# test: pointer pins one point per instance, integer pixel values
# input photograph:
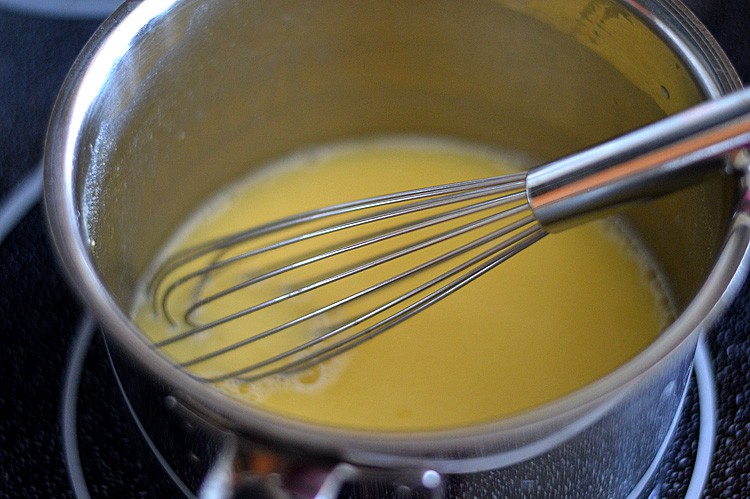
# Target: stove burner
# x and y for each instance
(704, 381)
(68, 419)
(80, 348)
(20, 200)
(707, 403)
(80, 9)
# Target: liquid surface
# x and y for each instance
(561, 314)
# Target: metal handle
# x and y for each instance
(654, 160)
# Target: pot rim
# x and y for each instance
(451, 450)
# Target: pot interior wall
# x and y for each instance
(219, 88)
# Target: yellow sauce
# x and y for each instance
(559, 315)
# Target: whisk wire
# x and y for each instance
(501, 253)
(401, 230)
(179, 259)
(353, 341)
(357, 269)
(380, 216)
(505, 194)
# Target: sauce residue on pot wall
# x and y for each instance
(565, 312)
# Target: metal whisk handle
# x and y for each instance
(653, 160)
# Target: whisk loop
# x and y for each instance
(458, 209)
(308, 287)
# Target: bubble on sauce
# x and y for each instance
(624, 236)
(309, 381)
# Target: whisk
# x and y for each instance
(444, 236)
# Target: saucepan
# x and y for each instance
(172, 100)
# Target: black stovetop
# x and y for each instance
(47, 450)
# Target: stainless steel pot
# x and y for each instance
(174, 99)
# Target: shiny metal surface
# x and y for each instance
(655, 160)
(167, 90)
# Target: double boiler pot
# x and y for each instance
(173, 100)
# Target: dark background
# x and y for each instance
(38, 315)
